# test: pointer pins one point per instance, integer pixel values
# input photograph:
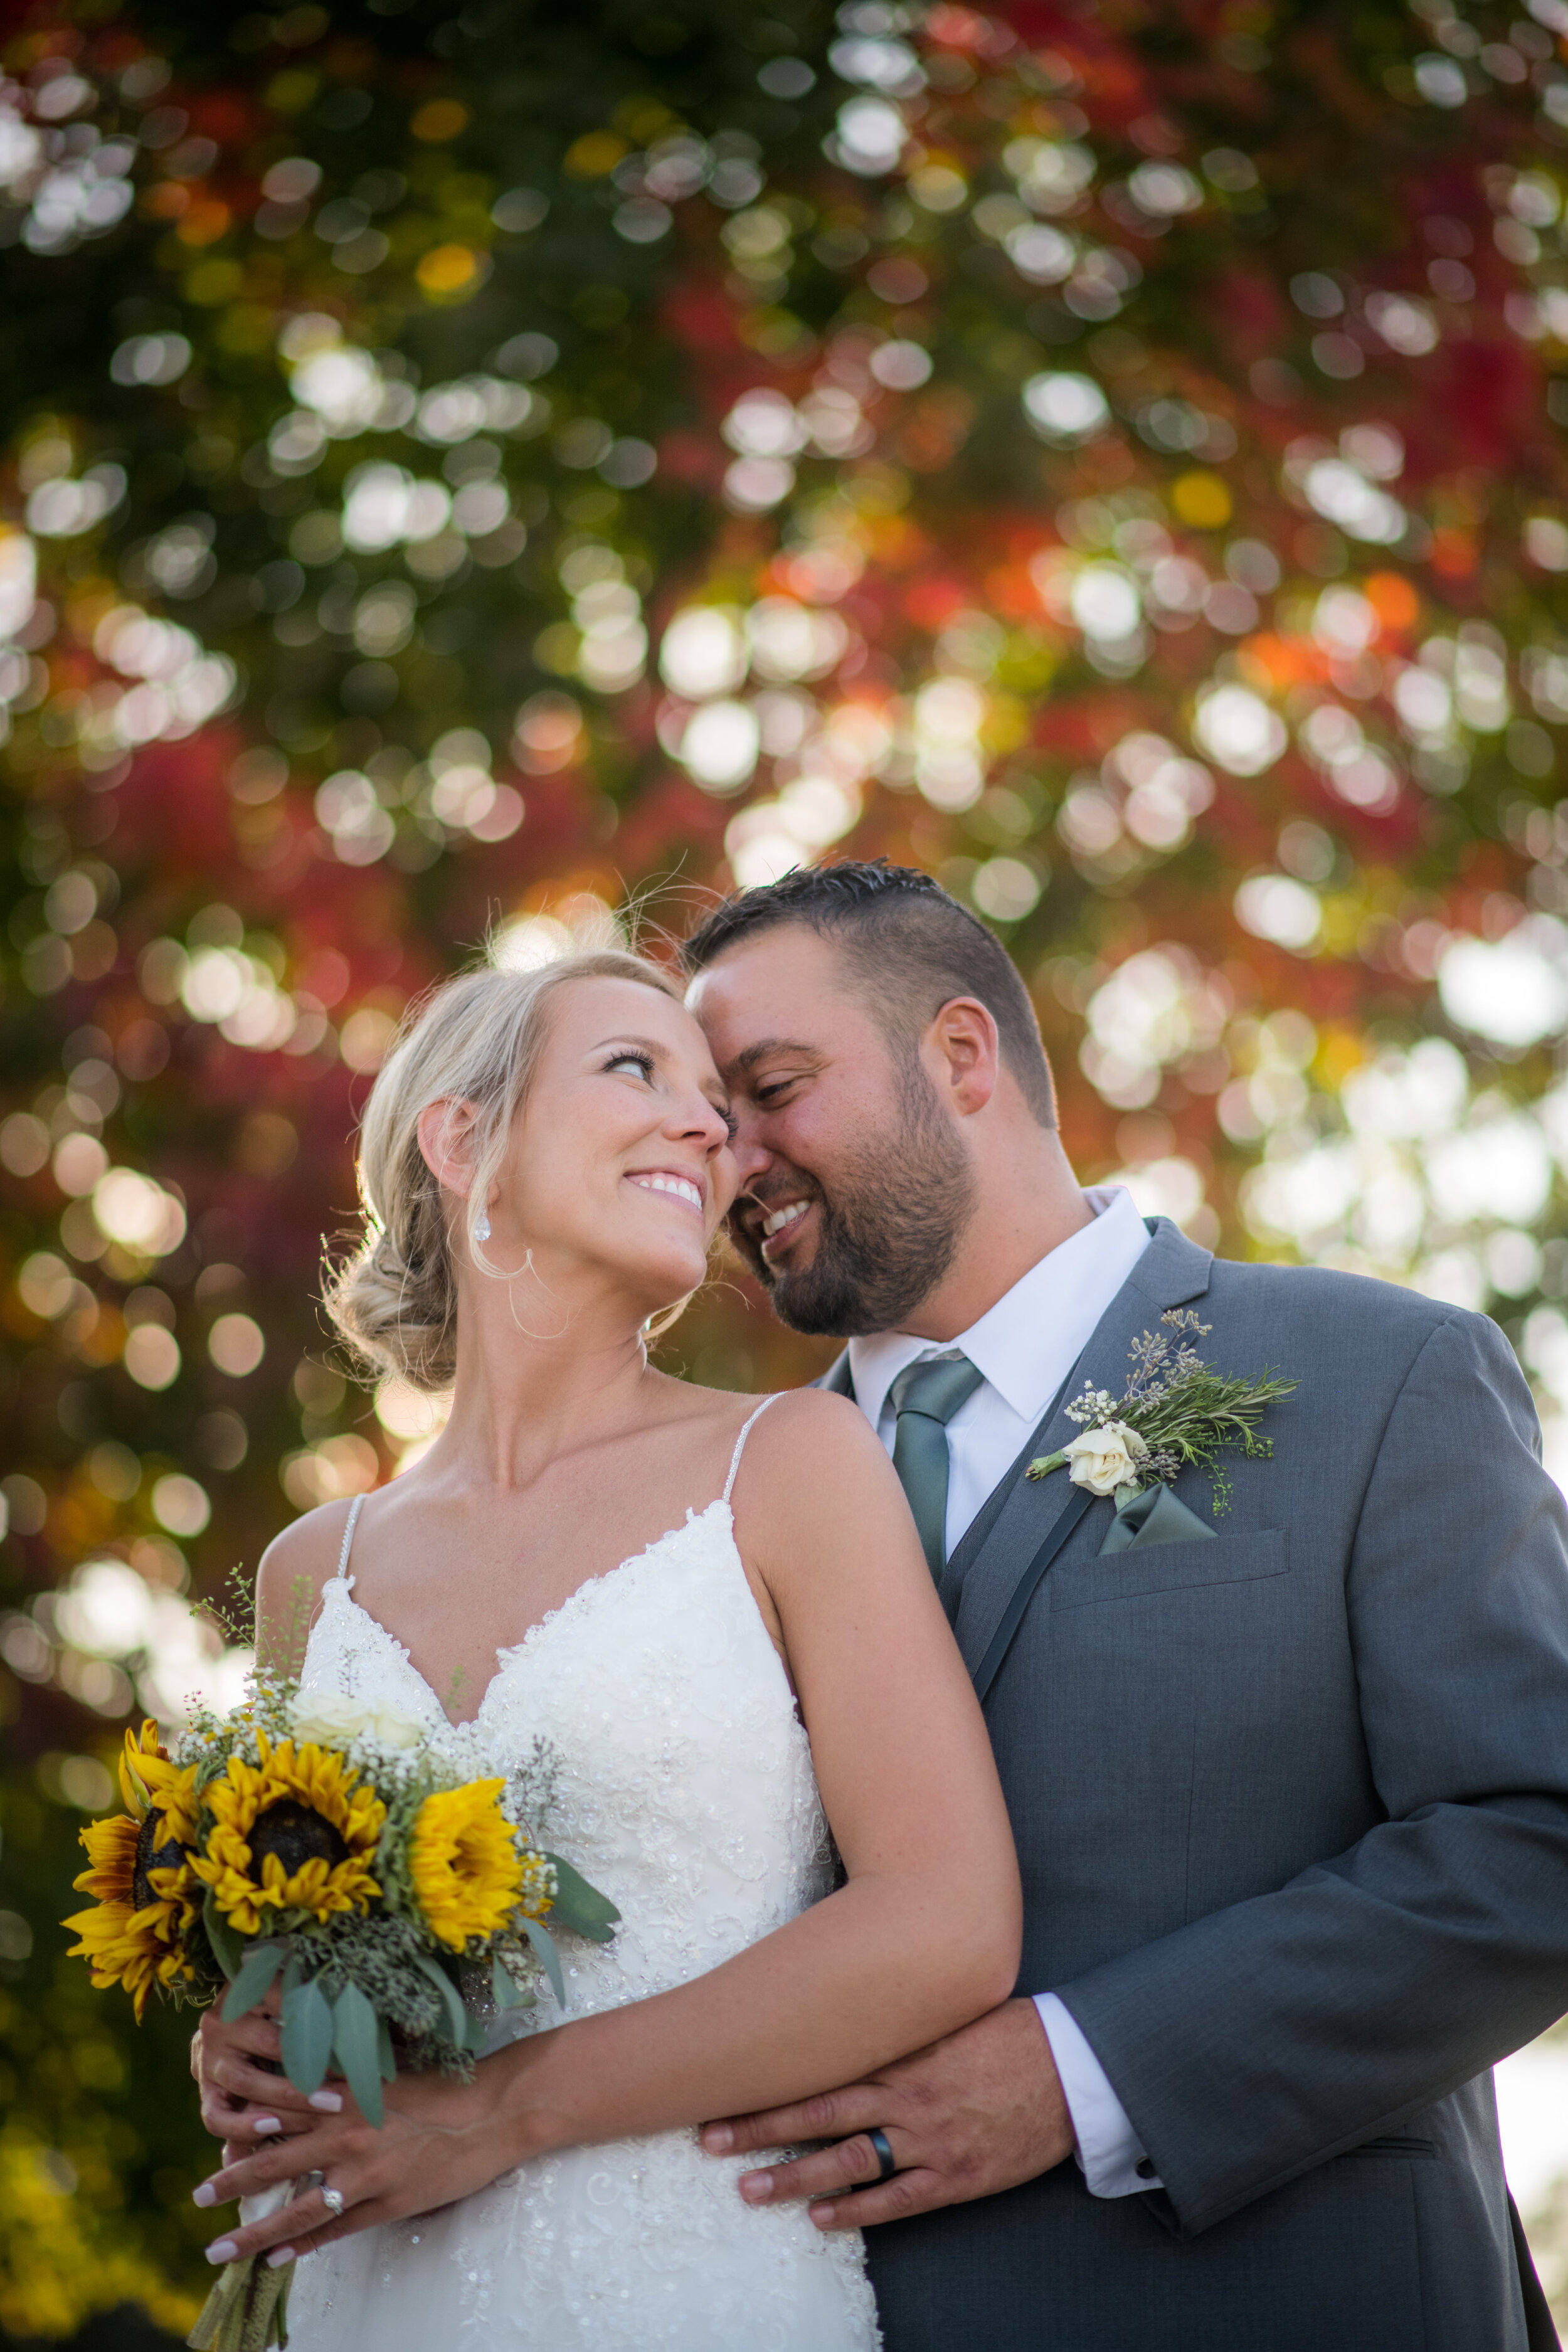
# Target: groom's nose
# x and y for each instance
(751, 1152)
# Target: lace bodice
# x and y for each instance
(684, 1791)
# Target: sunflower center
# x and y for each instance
(155, 1849)
(296, 1835)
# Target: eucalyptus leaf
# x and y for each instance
(307, 2036)
(508, 1993)
(226, 1950)
(457, 2015)
(354, 2047)
(580, 1906)
(254, 1982)
(475, 2033)
(543, 1944)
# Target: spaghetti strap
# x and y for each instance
(746, 1428)
(354, 1509)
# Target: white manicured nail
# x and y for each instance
(326, 2103)
(265, 2124)
(206, 2195)
(223, 2250)
(279, 2256)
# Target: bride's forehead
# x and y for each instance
(601, 1005)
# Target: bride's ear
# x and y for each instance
(445, 1143)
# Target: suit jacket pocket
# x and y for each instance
(1169, 1567)
(1392, 2143)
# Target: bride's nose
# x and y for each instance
(698, 1122)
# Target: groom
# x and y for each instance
(1289, 1785)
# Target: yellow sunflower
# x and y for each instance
(142, 1875)
(464, 1862)
(296, 1832)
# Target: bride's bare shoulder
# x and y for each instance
(298, 1561)
(819, 1426)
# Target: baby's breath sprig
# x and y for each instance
(1174, 1409)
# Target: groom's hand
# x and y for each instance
(973, 2114)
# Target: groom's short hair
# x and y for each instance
(913, 947)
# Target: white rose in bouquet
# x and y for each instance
(331, 1719)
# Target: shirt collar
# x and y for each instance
(1026, 1344)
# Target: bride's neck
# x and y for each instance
(540, 1363)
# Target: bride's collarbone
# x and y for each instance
(453, 1597)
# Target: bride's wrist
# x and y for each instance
(527, 2119)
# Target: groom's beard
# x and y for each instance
(886, 1232)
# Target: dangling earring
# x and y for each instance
(482, 1227)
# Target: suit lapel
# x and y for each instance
(1170, 1271)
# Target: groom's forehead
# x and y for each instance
(787, 986)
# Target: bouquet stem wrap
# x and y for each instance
(247, 2310)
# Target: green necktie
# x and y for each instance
(925, 1397)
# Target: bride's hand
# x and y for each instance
(441, 2140)
(243, 2098)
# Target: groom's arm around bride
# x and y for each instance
(1291, 1792)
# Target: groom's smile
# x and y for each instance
(776, 1226)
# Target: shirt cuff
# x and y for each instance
(1111, 2155)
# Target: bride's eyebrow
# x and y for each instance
(630, 1037)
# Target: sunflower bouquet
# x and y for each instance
(342, 1855)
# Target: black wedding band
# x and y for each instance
(887, 2163)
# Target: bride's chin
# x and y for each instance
(653, 1289)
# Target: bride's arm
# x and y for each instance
(924, 1936)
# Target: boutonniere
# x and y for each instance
(1176, 1409)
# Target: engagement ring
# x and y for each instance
(333, 2199)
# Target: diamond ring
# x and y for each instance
(333, 2199)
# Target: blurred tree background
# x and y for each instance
(465, 474)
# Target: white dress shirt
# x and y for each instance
(1025, 1347)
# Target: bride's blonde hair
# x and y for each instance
(474, 1040)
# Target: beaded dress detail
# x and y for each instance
(685, 1792)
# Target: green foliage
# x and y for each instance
(307, 2034)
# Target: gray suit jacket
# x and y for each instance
(1292, 1809)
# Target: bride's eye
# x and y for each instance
(641, 1063)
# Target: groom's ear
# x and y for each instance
(963, 1051)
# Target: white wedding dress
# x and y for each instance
(685, 1794)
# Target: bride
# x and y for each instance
(717, 1613)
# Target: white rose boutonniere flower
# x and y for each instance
(1105, 1458)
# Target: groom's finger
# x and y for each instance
(845, 2164)
(832, 2115)
(915, 2192)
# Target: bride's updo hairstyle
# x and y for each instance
(474, 1040)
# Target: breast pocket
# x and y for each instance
(1171, 1568)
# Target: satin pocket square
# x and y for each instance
(1153, 1516)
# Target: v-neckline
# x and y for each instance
(508, 1656)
